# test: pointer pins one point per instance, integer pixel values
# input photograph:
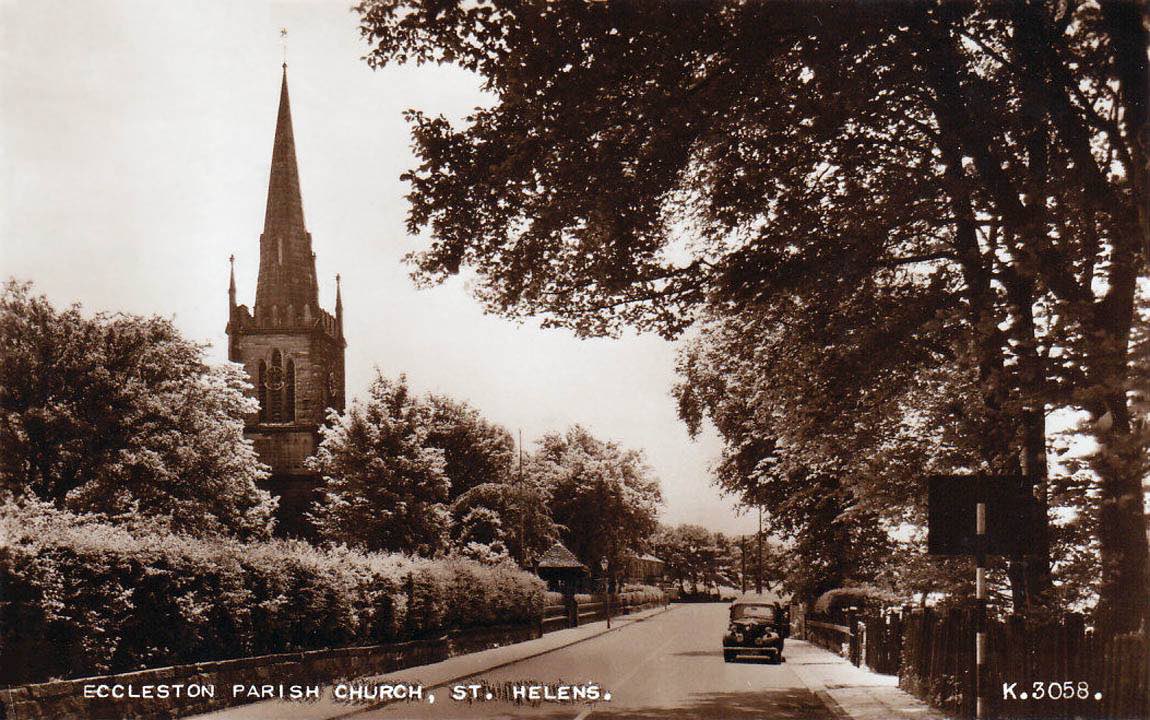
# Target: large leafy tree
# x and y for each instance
(475, 450)
(689, 551)
(508, 519)
(829, 427)
(644, 161)
(385, 487)
(603, 497)
(119, 414)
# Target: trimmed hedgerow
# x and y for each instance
(79, 596)
(641, 595)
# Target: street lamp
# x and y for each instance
(603, 565)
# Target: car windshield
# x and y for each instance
(764, 612)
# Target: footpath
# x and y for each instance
(431, 677)
(853, 692)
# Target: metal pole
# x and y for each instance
(980, 612)
(607, 585)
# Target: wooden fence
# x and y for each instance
(559, 616)
(1051, 670)
(1079, 674)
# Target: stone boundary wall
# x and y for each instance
(65, 698)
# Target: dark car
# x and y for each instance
(758, 628)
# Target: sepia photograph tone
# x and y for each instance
(568, 359)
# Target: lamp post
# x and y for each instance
(603, 565)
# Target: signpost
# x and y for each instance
(1005, 520)
(603, 564)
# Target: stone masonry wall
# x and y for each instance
(65, 698)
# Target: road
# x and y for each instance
(669, 666)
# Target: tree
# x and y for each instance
(602, 497)
(688, 551)
(384, 487)
(510, 519)
(829, 428)
(475, 450)
(644, 162)
(119, 414)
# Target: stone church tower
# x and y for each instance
(292, 349)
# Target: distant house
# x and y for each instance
(561, 570)
(645, 569)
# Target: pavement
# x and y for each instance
(853, 692)
(656, 664)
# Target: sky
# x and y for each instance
(135, 142)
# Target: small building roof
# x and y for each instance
(558, 556)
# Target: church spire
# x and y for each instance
(284, 208)
(287, 288)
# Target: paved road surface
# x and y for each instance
(670, 666)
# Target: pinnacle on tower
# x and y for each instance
(232, 282)
(338, 306)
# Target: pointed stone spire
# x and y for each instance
(285, 207)
(287, 282)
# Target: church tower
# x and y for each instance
(291, 348)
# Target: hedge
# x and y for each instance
(631, 595)
(641, 595)
(80, 597)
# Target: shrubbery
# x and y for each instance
(82, 597)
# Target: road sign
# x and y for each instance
(1012, 514)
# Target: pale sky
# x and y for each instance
(135, 139)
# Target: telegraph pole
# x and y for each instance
(759, 560)
(522, 505)
(743, 555)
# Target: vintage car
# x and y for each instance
(758, 627)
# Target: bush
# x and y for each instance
(82, 597)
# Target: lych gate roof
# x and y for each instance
(558, 556)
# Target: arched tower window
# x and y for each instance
(289, 392)
(262, 390)
(275, 388)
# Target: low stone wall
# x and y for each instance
(66, 698)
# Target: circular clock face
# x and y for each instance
(274, 379)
